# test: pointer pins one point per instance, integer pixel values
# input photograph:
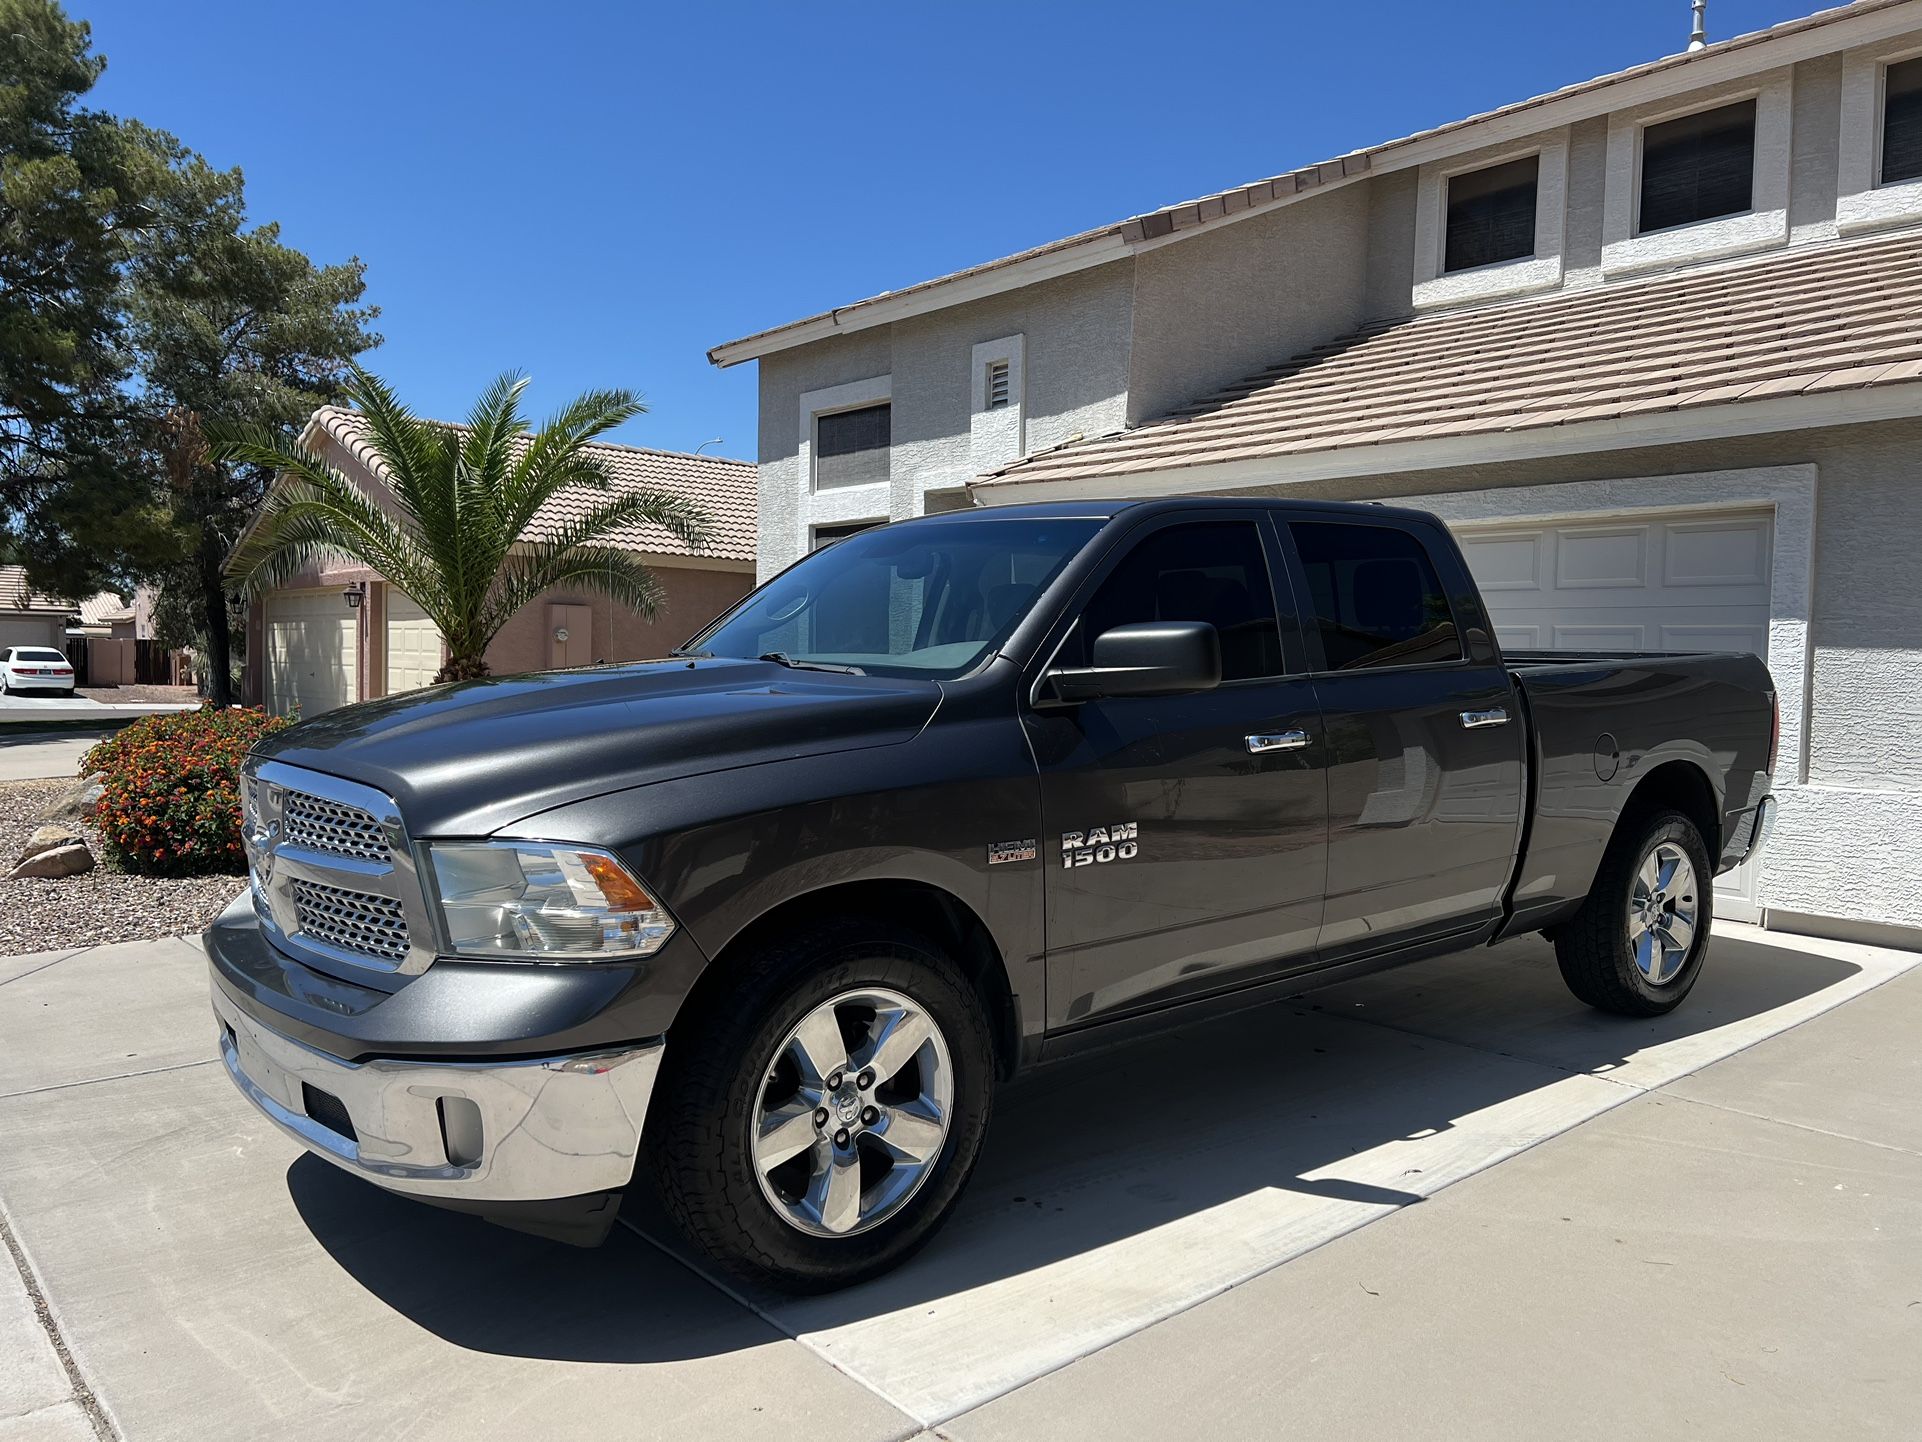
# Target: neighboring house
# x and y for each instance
(340, 633)
(104, 617)
(1651, 343)
(29, 617)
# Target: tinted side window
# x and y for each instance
(1375, 597)
(1211, 571)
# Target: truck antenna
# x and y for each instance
(1698, 37)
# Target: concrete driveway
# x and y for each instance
(1446, 1201)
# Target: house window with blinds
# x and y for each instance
(1491, 215)
(1697, 167)
(851, 447)
(1902, 121)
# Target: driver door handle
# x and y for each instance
(1474, 720)
(1278, 741)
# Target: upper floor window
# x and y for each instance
(828, 535)
(1491, 215)
(1377, 600)
(1697, 167)
(851, 447)
(1902, 121)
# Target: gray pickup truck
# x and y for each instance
(768, 921)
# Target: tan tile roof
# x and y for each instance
(1188, 214)
(1833, 317)
(104, 609)
(723, 488)
(17, 595)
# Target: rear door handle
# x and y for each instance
(1495, 716)
(1278, 741)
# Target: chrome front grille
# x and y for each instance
(357, 921)
(331, 826)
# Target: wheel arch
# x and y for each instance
(920, 906)
(1683, 786)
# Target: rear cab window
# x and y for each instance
(1374, 597)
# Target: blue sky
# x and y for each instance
(596, 193)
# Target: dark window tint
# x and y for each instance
(1375, 597)
(828, 535)
(1491, 214)
(851, 447)
(1902, 121)
(1214, 572)
(1699, 166)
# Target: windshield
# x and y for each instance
(927, 599)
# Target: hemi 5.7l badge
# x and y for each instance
(1000, 851)
(1100, 844)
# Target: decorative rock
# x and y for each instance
(50, 837)
(76, 803)
(69, 860)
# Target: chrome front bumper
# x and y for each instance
(514, 1131)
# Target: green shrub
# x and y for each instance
(170, 801)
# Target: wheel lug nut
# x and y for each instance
(821, 1117)
(834, 1082)
(866, 1080)
(869, 1116)
(841, 1137)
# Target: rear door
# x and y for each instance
(1184, 836)
(1423, 726)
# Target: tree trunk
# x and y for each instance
(213, 601)
(462, 668)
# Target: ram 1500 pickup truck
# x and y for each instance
(769, 920)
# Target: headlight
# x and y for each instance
(542, 902)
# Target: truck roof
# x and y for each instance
(1108, 510)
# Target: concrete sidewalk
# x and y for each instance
(1441, 1202)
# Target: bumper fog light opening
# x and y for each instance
(460, 1131)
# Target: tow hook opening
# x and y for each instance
(460, 1131)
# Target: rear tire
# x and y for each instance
(1636, 946)
(745, 1164)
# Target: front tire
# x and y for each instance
(815, 1126)
(1636, 946)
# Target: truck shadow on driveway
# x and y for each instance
(1104, 1149)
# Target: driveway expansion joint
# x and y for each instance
(83, 1395)
(116, 1076)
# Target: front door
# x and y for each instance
(1425, 735)
(1183, 856)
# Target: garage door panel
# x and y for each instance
(1583, 637)
(1753, 639)
(1601, 557)
(1506, 562)
(1519, 638)
(1718, 553)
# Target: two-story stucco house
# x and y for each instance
(1652, 343)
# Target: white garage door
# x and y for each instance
(312, 652)
(1693, 582)
(32, 631)
(413, 644)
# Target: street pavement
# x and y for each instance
(1443, 1201)
(32, 710)
(28, 755)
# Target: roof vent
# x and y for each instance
(997, 385)
(1698, 37)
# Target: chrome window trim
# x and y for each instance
(397, 877)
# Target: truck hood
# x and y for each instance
(469, 758)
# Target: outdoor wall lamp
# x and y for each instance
(353, 594)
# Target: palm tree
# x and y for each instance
(453, 537)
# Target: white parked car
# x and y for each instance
(35, 668)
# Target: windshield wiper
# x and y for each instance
(781, 658)
(692, 655)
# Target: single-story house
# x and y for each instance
(340, 633)
(29, 617)
(1651, 343)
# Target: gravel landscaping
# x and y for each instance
(99, 906)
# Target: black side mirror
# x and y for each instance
(1149, 658)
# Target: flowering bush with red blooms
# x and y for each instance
(170, 802)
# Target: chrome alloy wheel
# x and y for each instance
(1662, 909)
(853, 1112)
